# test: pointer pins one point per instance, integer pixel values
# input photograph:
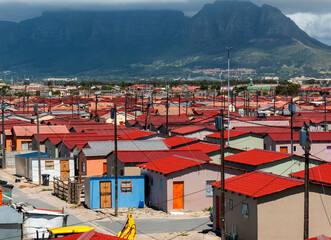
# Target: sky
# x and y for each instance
(312, 16)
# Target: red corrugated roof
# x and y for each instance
(171, 164)
(205, 147)
(176, 141)
(136, 135)
(258, 183)
(320, 173)
(286, 136)
(187, 129)
(233, 133)
(256, 157)
(148, 156)
(23, 131)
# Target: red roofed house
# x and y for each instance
(177, 141)
(238, 139)
(268, 161)
(197, 132)
(22, 135)
(319, 174)
(262, 205)
(281, 142)
(129, 159)
(211, 149)
(181, 183)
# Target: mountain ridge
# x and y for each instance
(79, 42)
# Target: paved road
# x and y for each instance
(148, 226)
(20, 196)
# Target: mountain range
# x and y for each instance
(145, 43)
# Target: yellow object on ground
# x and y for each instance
(68, 230)
(129, 229)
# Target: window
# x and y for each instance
(209, 188)
(244, 209)
(283, 149)
(231, 204)
(328, 149)
(294, 148)
(126, 186)
(49, 164)
(83, 167)
(161, 183)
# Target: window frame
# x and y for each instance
(243, 212)
(209, 188)
(126, 186)
(49, 164)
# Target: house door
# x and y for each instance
(178, 195)
(105, 194)
(283, 149)
(65, 172)
(218, 213)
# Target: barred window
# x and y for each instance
(49, 164)
(126, 186)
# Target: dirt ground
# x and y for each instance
(81, 212)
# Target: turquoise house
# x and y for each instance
(100, 192)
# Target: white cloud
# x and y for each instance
(317, 26)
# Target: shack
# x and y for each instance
(100, 192)
(27, 166)
(11, 224)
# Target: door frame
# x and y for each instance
(173, 183)
(111, 205)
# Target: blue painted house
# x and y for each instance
(100, 191)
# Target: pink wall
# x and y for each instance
(194, 186)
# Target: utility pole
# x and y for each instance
(72, 106)
(147, 112)
(78, 108)
(96, 107)
(257, 103)
(167, 111)
(305, 143)
(38, 142)
(229, 49)
(325, 125)
(142, 103)
(292, 111)
(114, 116)
(125, 108)
(178, 104)
(186, 102)
(135, 108)
(275, 103)
(4, 163)
(219, 123)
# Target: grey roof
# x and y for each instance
(103, 148)
(11, 215)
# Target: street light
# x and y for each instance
(229, 49)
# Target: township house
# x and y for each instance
(211, 149)
(262, 205)
(93, 156)
(238, 139)
(22, 135)
(193, 131)
(178, 182)
(268, 161)
(281, 142)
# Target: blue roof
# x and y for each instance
(33, 154)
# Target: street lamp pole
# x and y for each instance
(229, 49)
